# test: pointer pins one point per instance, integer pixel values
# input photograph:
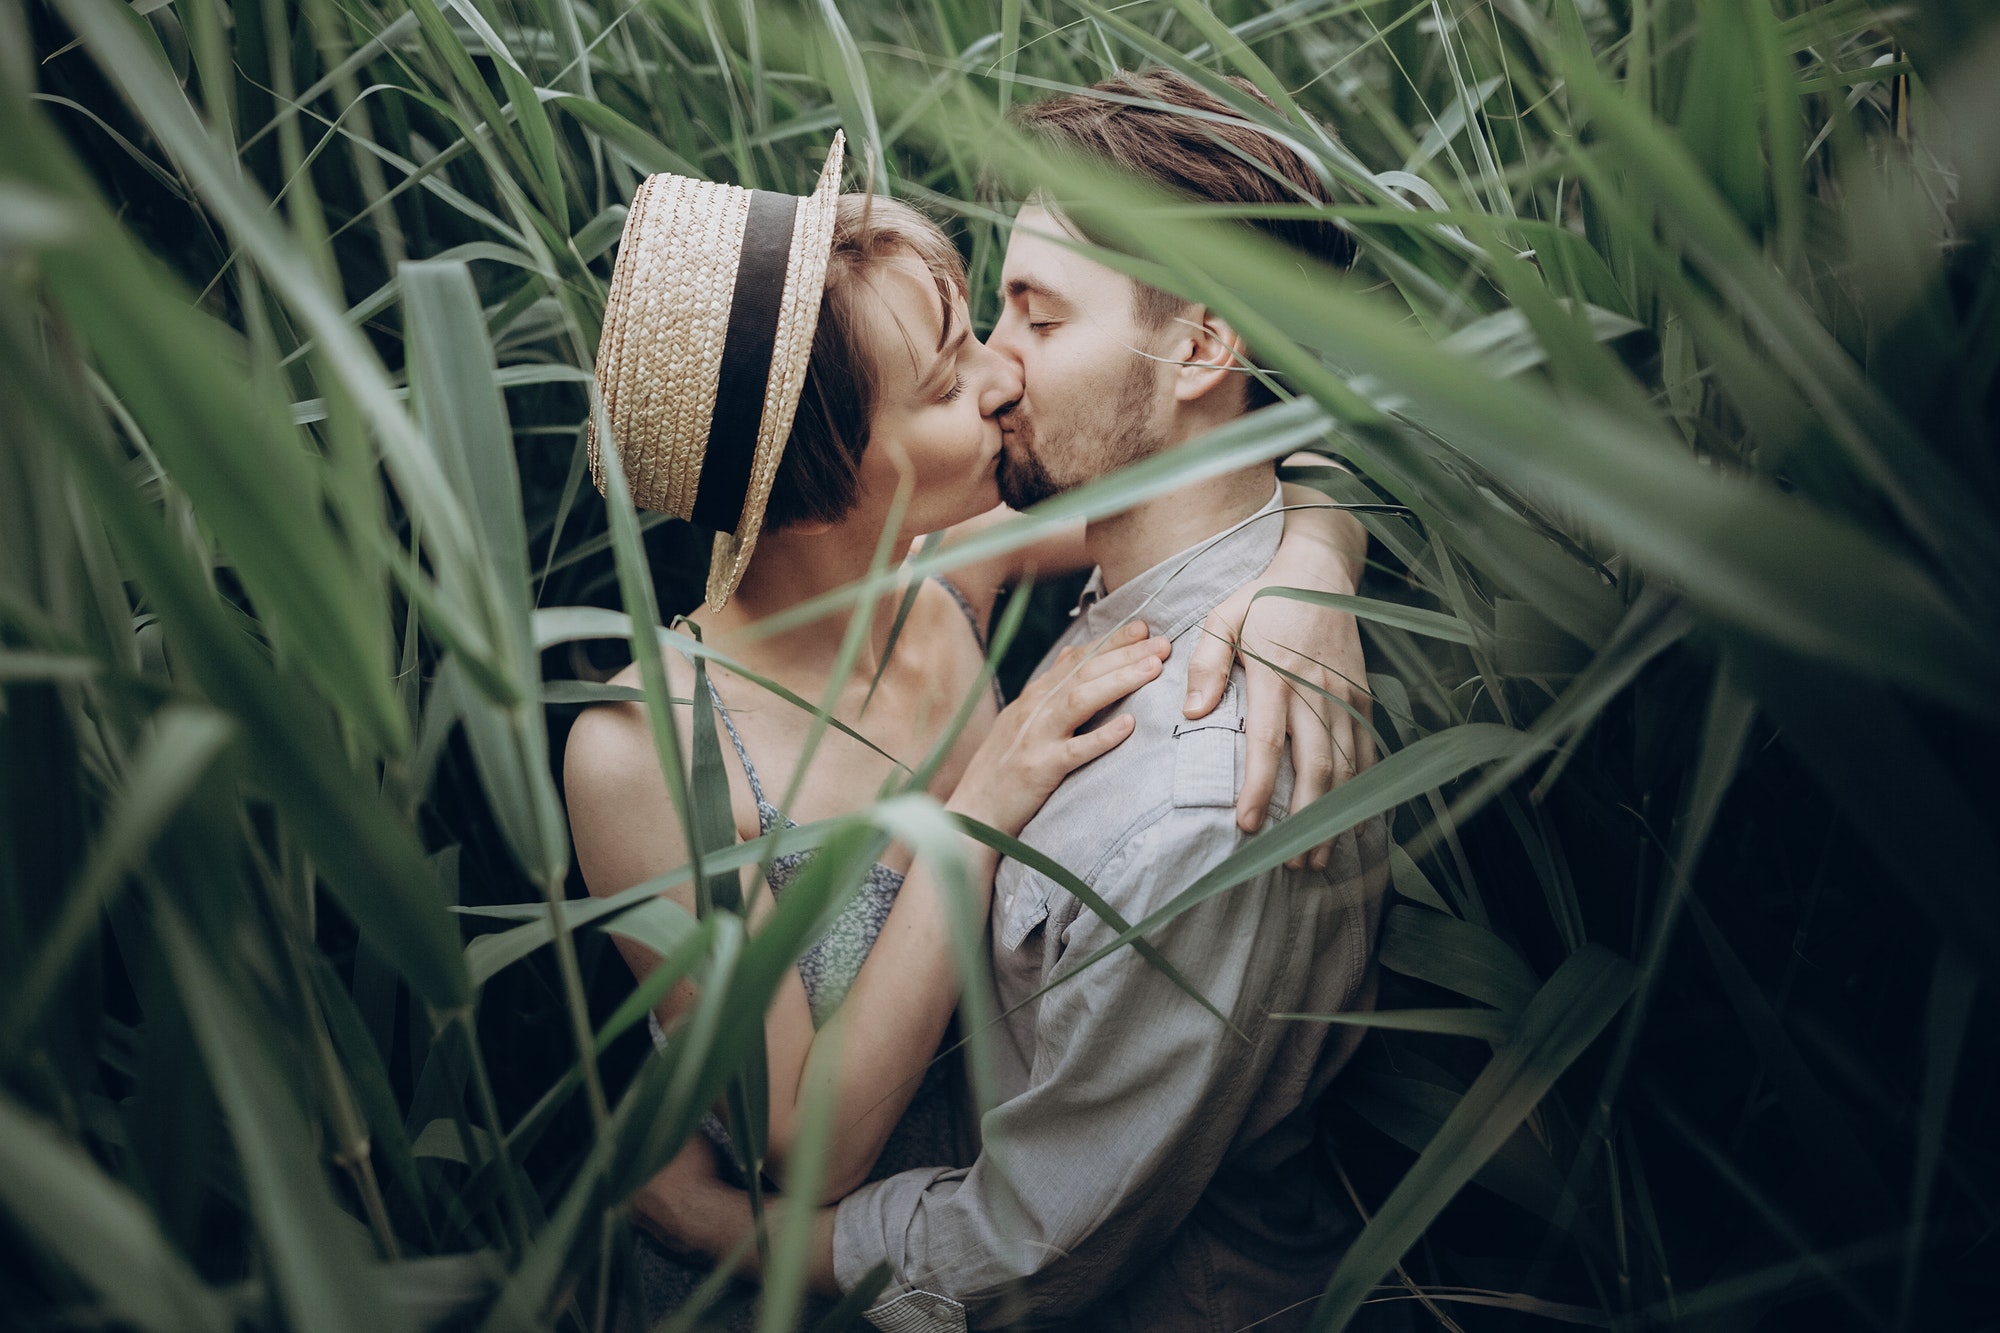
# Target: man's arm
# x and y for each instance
(1135, 1096)
(1324, 550)
(693, 1211)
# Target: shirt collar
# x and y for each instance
(1174, 595)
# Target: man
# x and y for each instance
(1148, 1166)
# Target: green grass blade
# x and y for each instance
(1486, 1024)
(781, 1302)
(1457, 955)
(312, 1262)
(1948, 1016)
(465, 422)
(184, 741)
(101, 1231)
(1411, 1108)
(370, 859)
(1563, 1018)
(1433, 624)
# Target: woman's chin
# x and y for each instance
(986, 491)
(980, 495)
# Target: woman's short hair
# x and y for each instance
(817, 476)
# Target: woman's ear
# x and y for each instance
(1213, 354)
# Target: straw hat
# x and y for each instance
(714, 300)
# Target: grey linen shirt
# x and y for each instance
(1145, 1167)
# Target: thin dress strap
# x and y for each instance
(971, 619)
(749, 769)
(764, 808)
(965, 605)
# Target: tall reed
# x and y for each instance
(1670, 363)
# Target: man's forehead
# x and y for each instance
(1046, 216)
(1041, 257)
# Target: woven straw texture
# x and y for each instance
(659, 360)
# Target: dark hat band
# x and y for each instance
(747, 347)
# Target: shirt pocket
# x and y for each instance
(1024, 906)
(1208, 755)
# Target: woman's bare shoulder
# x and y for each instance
(620, 813)
(611, 755)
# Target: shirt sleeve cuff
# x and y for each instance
(857, 1237)
(861, 1241)
(916, 1311)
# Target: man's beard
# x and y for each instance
(1022, 477)
(1126, 436)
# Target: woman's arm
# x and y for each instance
(869, 1058)
(1059, 552)
(622, 821)
(872, 1054)
(623, 824)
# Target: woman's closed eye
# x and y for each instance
(952, 394)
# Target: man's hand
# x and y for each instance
(687, 1207)
(1318, 645)
(693, 1212)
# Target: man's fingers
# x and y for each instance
(1364, 746)
(1340, 768)
(1264, 734)
(1315, 760)
(1346, 733)
(1208, 665)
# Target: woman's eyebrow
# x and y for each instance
(950, 339)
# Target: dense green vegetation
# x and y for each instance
(1675, 336)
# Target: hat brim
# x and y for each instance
(798, 319)
(659, 359)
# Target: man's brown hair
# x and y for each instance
(1208, 160)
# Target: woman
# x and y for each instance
(867, 332)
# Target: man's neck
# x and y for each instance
(1126, 545)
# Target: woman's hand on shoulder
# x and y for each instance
(1034, 743)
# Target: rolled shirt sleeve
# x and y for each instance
(1134, 1095)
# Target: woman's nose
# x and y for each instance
(1001, 381)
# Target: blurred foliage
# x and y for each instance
(1676, 332)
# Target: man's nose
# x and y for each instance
(1002, 387)
(1004, 337)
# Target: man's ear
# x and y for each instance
(1213, 354)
